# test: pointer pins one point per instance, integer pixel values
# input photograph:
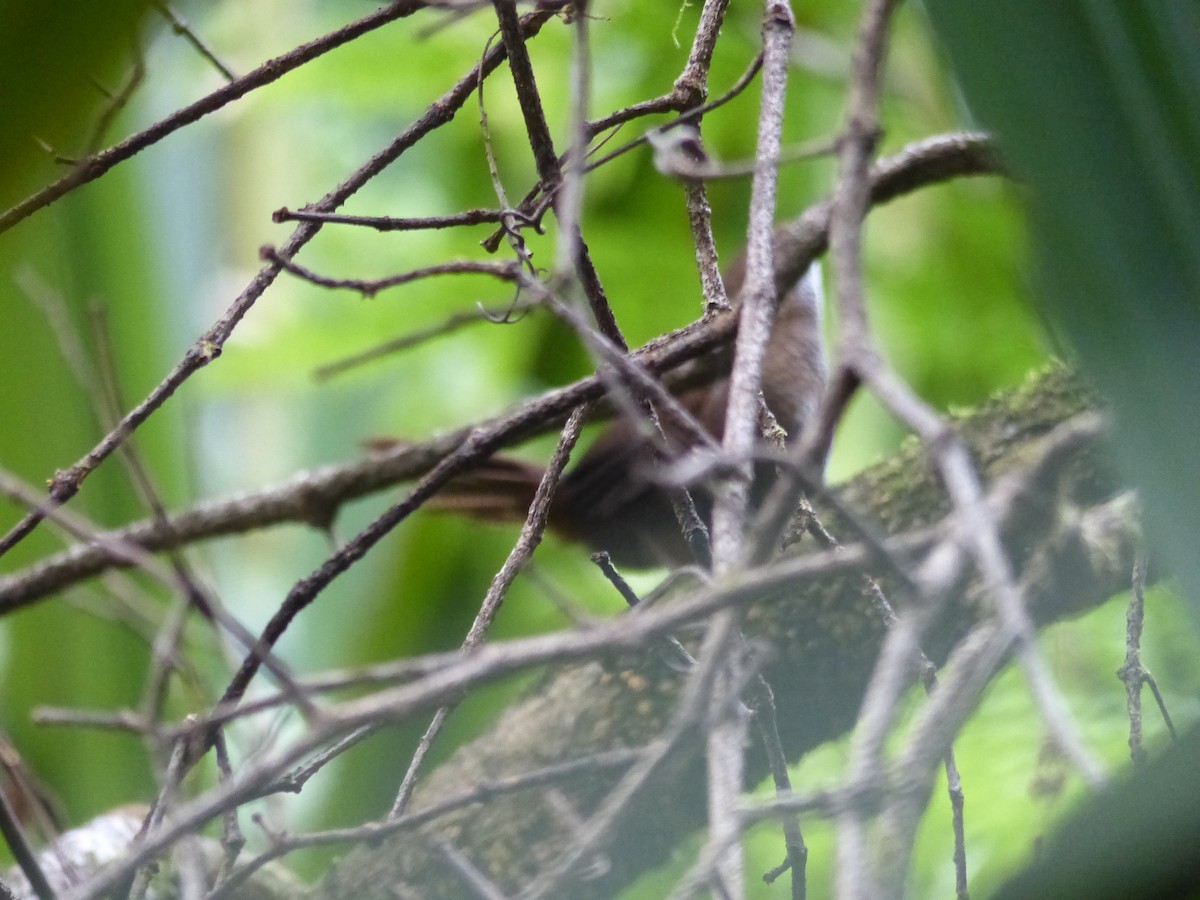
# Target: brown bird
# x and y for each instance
(610, 499)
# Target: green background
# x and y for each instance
(165, 242)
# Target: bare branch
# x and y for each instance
(94, 166)
(314, 497)
(66, 483)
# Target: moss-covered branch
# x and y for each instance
(1070, 534)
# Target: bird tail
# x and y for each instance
(499, 490)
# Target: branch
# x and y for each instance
(1071, 537)
(98, 164)
(315, 497)
(67, 482)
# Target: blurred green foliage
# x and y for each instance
(1094, 106)
(166, 241)
(1116, 212)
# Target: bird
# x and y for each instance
(613, 499)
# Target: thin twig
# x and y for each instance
(548, 167)
(18, 844)
(756, 302)
(856, 875)
(527, 542)
(507, 271)
(511, 313)
(481, 792)
(67, 482)
(666, 748)
(389, 223)
(181, 27)
(98, 164)
(314, 497)
(773, 583)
